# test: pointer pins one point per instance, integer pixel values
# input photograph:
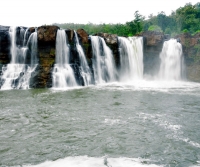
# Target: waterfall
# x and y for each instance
(17, 74)
(131, 58)
(84, 68)
(32, 41)
(25, 37)
(103, 63)
(171, 61)
(63, 75)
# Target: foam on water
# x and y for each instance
(147, 85)
(84, 161)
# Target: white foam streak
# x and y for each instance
(84, 161)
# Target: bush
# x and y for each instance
(198, 31)
(155, 28)
(167, 31)
(185, 31)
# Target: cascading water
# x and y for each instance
(131, 58)
(32, 43)
(63, 75)
(84, 68)
(25, 37)
(17, 74)
(171, 61)
(103, 63)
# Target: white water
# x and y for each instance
(17, 74)
(171, 61)
(84, 161)
(84, 68)
(103, 61)
(63, 74)
(131, 58)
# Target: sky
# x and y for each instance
(39, 12)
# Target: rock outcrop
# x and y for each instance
(42, 78)
(191, 52)
(4, 46)
(83, 35)
(153, 43)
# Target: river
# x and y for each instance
(147, 123)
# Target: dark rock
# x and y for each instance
(70, 34)
(5, 56)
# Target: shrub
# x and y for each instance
(155, 28)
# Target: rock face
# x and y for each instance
(191, 51)
(83, 35)
(153, 43)
(4, 46)
(42, 78)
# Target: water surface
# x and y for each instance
(141, 124)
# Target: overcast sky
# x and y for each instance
(40, 12)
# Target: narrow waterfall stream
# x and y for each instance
(63, 74)
(103, 62)
(84, 68)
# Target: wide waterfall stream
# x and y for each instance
(17, 74)
(123, 120)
